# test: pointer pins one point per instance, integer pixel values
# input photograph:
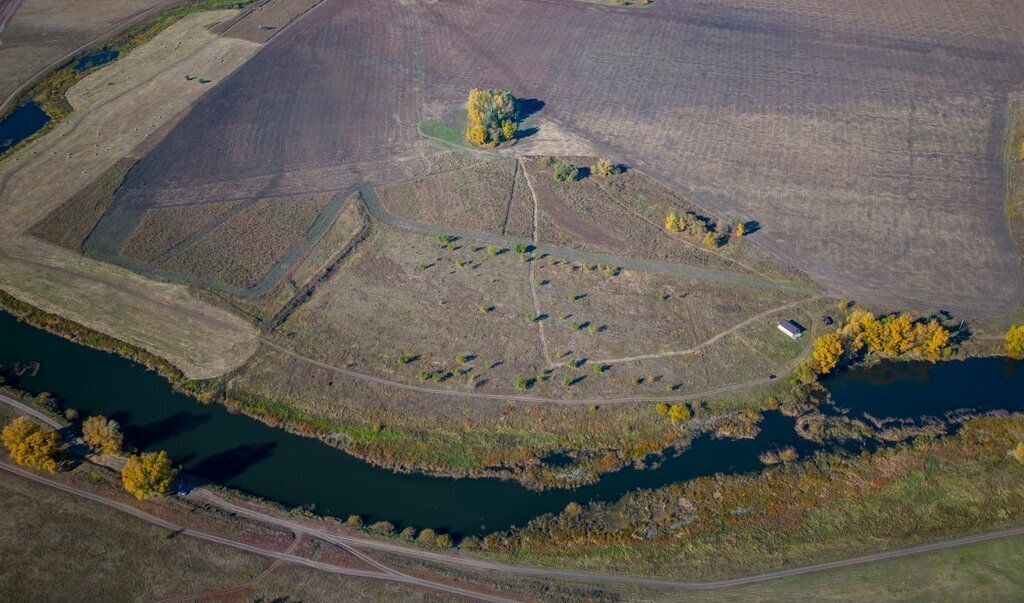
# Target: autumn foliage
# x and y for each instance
(828, 349)
(1015, 342)
(492, 116)
(103, 435)
(29, 444)
(148, 474)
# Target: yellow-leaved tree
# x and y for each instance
(29, 444)
(148, 474)
(828, 349)
(1015, 342)
(492, 116)
(672, 222)
(103, 435)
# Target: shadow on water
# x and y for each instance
(212, 443)
(224, 466)
(157, 432)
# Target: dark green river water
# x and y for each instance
(241, 453)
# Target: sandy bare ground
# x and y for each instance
(864, 136)
(116, 109)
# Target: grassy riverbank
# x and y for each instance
(830, 507)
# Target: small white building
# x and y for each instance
(791, 329)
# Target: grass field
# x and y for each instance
(826, 508)
(118, 108)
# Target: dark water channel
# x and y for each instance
(241, 453)
(23, 122)
(96, 58)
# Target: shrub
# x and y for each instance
(408, 533)
(1018, 453)
(29, 444)
(712, 240)
(102, 435)
(147, 475)
(603, 167)
(427, 536)
(566, 172)
(383, 528)
(354, 521)
(678, 413)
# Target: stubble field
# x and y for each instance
(868, 148)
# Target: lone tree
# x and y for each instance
(147, 475)
(103, 435)
(30, 445)
(492, 116)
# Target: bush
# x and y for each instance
(102, 435)
(678, 413)
(427, 536)
(566, 172)
(603, 167)
(382, 528)
(354, 521)
(29, 444)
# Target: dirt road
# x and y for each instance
(381, 574)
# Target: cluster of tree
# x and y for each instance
(676, 222)
(147, 475)
(31, 445)
(1015, 342)
(890, 336)
(492, 116)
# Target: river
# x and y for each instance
(241, 453)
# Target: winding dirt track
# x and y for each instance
(390, 575)
(351, 542)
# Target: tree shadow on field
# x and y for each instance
(526, 107)
(233, 462)
(145, 436)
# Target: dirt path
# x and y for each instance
(351, 543)
(697, 348)
(178, 530)
(591, 577)
(7, 10)
(533, 270)
(378, 212)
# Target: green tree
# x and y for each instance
(566, 172)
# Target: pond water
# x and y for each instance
(912, 390)
(96, 58)
(23, 122)
(241, 453)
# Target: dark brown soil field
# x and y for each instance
(865, 137)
